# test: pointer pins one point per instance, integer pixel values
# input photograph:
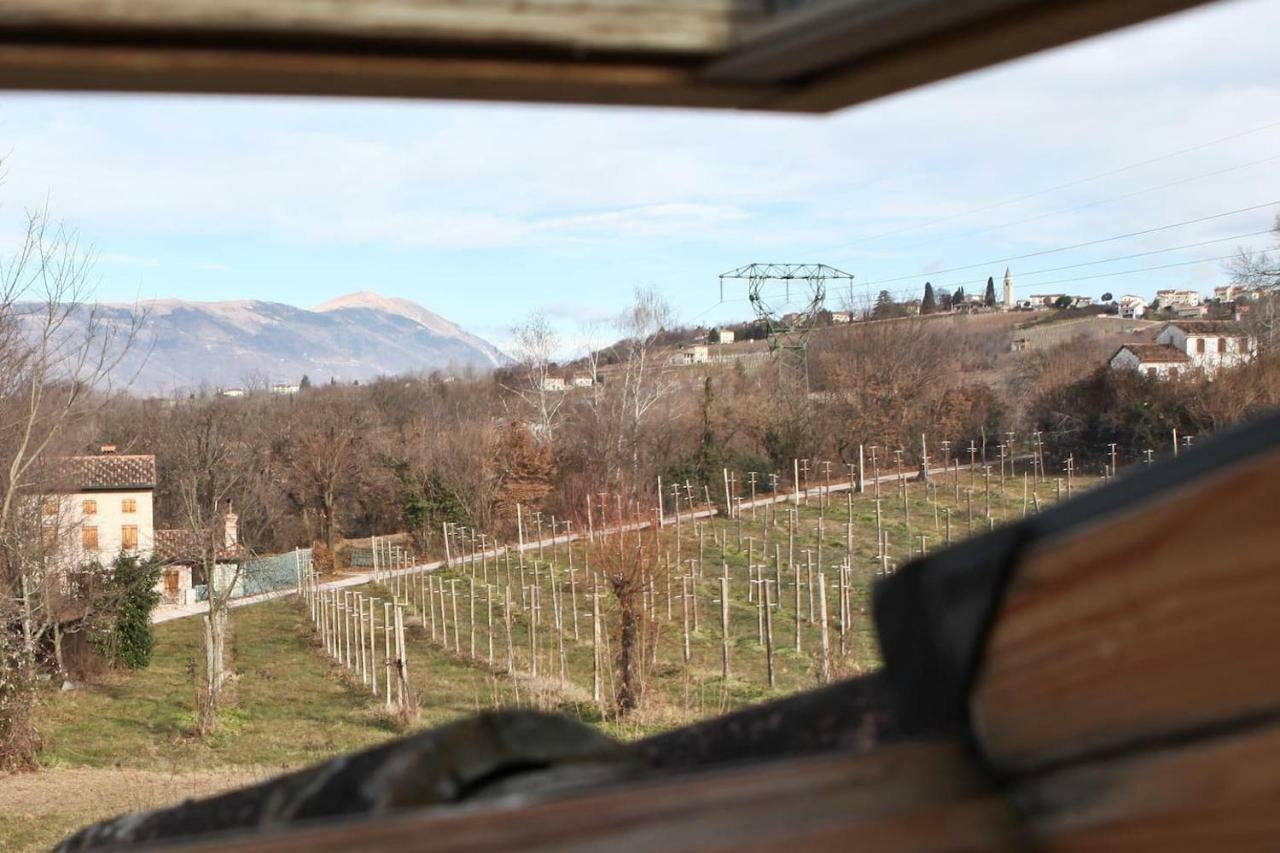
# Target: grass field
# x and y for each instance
(126, 742)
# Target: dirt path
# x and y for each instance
(39, 809)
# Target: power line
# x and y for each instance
(1023, 273)
(1097, 203)
(1067, 185)
(1081, 245)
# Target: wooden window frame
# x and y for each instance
(89, 537)
(129, 506)
(129, 532)
(89, 507)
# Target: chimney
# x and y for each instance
(231, 528)
(107, 450)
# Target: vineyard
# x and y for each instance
(640, 622)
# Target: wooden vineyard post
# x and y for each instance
(402, 662)
(760, 610)
(573, 591)
(808, 583)
(361, 669)
(693, 588)
(768, 635)
(947, 516)
(533, 632)
(595, 638)
(796, 570)
(457, 626)
(862, 471)
(444, 615)
(471, 613)
(506, 620)
(795, 496)
(386, 645)
(348, 617)
(822, 615)
(489, 590)
(724, 623)
(520, 550)
(843, 590)
(684, 606)
(373, 646)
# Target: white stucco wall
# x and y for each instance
(110, 519)
(1237, 348)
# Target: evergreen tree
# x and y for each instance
(944, 299)
(306, 381)
(928, 304)
(957, 299)
(989, 298)
(127, 641)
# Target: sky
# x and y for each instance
(490, 213)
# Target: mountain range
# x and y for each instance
(184, 345)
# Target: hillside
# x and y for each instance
(186, 345)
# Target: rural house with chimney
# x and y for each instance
(109, 508)
(1206, 345)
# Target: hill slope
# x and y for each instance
(186, 345)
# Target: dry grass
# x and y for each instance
(39, 809)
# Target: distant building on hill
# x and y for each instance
(694, 354)
(553, 383)
(721, 336)
(1131, 307)
(1159, 361)
(1172, 298)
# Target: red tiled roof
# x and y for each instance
(95, 473)
(1156, 353)
(184, 546)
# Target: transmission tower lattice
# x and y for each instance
(789, 332)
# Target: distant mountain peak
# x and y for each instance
(187, 345)
(407, 308)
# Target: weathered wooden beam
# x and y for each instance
(912, 797)
(804, 55)
(1214, 794)
(1156, 621)
(694, 27)
(842, 53)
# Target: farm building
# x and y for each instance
(108, 508)
(697, 354)
(1210, 344)
(1156, 360)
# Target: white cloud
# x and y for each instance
(622, 182)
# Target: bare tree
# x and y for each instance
(534, 345)
(54, 352)
(1260, 271)
(213, 468)
(642, 384)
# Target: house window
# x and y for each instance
(49, 535)
(1222, 345)
(89, 538)
(1151, 371)
(1199, 344)
(129, 537)
(129, 505)
(1173, 373)
(1243, 345)
(89, 507)
(50, 506)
